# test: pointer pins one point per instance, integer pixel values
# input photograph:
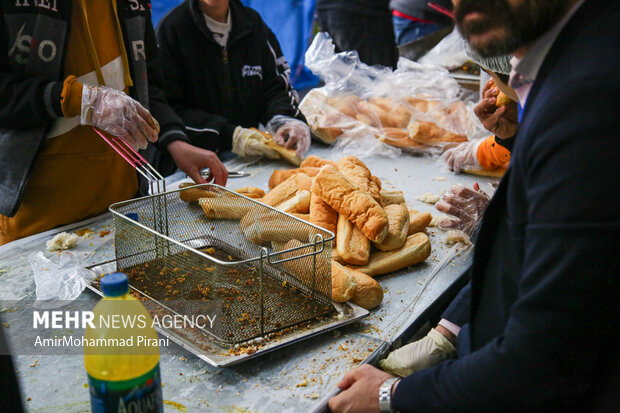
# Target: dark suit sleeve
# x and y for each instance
(204, 129)
(565, 318)
(279, 96)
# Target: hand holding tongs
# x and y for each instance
(157, 183)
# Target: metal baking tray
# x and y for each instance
(220, 355)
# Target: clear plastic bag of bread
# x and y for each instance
(370, 110)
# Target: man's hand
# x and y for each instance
(113, 111)
(502, 121)
(426, 352)
(192, 160)
(360, 390)
(465, 205)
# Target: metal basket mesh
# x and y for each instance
(177, 256)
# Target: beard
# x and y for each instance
(512, 27)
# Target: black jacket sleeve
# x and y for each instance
(279, 96)
(27, 101)
(171, 125)
(207, 130)
(565, 319)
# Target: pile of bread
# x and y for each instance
(412, 122)
(375, 233)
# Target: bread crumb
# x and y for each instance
(314, 396)
(62, 241)
(457, 236)
(429, 198)
(438, 218)
(439, 178)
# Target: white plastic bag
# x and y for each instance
(59, 279)
(415, 108)
(449, 52)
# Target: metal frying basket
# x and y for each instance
(258, 280)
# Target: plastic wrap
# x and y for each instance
(450, 52)
(415, 108)
(465, 206)
(59, 279)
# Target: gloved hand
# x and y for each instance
(113, 111)
(247, 142)
(502, 121)
(465, 205)
(289, 132)
(463, 156)
(419, 355)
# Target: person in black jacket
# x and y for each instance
(361, 25)
(542, 330)
(224, 72)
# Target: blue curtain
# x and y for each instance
(290, 20)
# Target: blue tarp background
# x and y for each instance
(290, 20)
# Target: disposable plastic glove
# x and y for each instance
(465, 205)
(247, 142)
(419, 355)
(113, 111)
(290, 132)
(463, 156)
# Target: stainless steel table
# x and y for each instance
(296, 378)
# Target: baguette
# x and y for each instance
(418, 221)
(495, 173)
(355, 204)
(300, 203)
(398, 137)
(322, 214)
(194, 194)
(287, 189)
(251, 192)
(416, 249)
(429, 133)
(225, 207)
(368, 293)
(398, 218)
(265, 227)
(502, 99)
(358, 173)
(353, 247)
(392, 197)
(344, 284)
(280, 175)
(302, 268)
(316, 162)
(287, 154)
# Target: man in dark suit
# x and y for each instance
(543, 327)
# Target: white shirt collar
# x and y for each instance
(525, 70)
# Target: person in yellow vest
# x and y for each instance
(69, 65)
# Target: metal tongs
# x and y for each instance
(157, 184)
(231, 174)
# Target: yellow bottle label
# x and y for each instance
(141, 394)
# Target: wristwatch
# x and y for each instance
(385, 395)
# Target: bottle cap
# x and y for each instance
(133, 215)
(115, 284)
